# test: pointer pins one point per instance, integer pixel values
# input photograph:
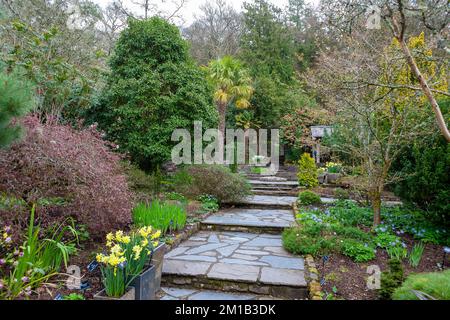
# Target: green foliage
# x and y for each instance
(307, 172)
(350, 214)
(39, 260)
(308, 198)
(358, 251)
(415, 254)
(74, 296)
(434, 285)
(426, 185)
(385, 240)
(16, 100)
(153, 89)
(305, 241)
(162, 216)
(209, 203)
(351, 233)
(391, 280)
(214, 180)
(341, 194)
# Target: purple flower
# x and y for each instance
(447, 249)
(25, 279)
(2, 262)
(1, 285)
(8, 240)
(7, 229)
(21, 254)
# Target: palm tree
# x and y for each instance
(232, 85)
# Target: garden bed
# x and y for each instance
(350, 278)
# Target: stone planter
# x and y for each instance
(322, 178)
(129, 295)
(333, 177)
(148, 283)
(157, 260)
(144, 285)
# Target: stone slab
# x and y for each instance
(286, 277)
(234, 272)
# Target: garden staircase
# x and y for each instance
(238, 253)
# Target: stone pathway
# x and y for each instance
(257, 218)
(239, 255)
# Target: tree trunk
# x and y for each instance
(222, 108)
(375, 198)
(426, 89)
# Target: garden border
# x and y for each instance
(312, 274)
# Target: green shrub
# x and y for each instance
(307, 172)
(162, 216)
(341, 194)
(358, 251)
(215, 180)
(434, 284)
(16, 100)
(391, 280)
(209, 203)
(426, 185)
(305, 241)
(385, 240)
(308, 198)
(351, 233)
(350, 214)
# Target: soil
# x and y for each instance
(350, 278)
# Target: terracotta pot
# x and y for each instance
(129, 295)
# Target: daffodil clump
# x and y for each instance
(333, 167)
(126, 257)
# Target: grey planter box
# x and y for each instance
(129, 295)
(332, 177)
(148, 283)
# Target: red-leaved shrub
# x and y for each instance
(55, 160)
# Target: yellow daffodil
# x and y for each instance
(144, 242)
(101, 258)
(125, 239)
(137, 252)
(155, 244)
(156, 235)
(109, 244)
(110, 237)
(117, 250)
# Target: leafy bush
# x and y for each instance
(214, 180)
(385, 240)
(358, 251)
(153, 89)
(308, 198)
(307, 172)
(341, 194)
(431, 285)
(16, 99)
(351, 233)
(55, 161)
(426, 184)
(162, 216)
(350, 214)
(391, 280)
(298, 241)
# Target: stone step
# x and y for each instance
(236, 262)
(289, 183)
(173, 293)
(267, 202)
(250, 220)
(271, 192)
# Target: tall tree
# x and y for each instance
(399, 17)
(232, 86)
(153, 88)
(215, 33)
(16, 99)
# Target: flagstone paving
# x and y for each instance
(252, 218)
(170, 293)
(239, 255)
(236, 256)
(264, 200)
